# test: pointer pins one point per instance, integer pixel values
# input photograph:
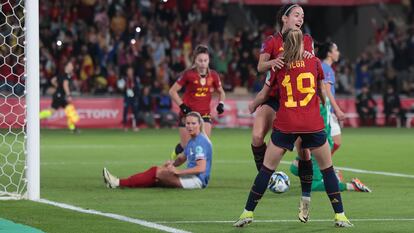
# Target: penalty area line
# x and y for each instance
(144, 223)
(365, 171)
(293, 220)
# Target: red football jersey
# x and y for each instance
(299, 104)
(273, 45)
(197, 95)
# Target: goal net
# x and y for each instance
(13, 99)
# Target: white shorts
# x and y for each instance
(191, 182)
(335, 127)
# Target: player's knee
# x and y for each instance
(257, 138)
(160, 173)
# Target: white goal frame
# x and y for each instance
(32, 99)
(31, 143)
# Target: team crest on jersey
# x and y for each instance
(195, 81)
(280, 49)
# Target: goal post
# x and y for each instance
(32, 99)
(19, 100)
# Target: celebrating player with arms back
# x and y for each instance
(298, 116)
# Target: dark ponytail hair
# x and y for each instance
(323, 49)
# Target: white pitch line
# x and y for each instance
(375, 172)
(114, 216)
(366, 171)
(293, 220)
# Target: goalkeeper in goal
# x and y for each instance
(62, 98)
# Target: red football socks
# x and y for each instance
(140, 180)
(335, 148)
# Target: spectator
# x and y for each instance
(345, 80)
(392, 106)
(365, 106)
(146, 107)
(131, 88)
(99, 82)
(164, 108)
(363, 77)
(118, 23)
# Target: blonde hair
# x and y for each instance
(199, 119)
(292, 45)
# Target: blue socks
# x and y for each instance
(332, 189)
(305, 175)
(258, 188)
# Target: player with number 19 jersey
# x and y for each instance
(273, 45)
(299, 103)
(198, 90)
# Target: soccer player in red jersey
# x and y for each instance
(290, 16)
(299, 116)
(199, 82)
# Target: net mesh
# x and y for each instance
(12, 100)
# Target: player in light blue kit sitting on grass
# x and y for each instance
(198, 154)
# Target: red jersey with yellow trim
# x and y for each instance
(198, 91)
(299, 103)
(273, 45)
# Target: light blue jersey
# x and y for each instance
(329, 77)
(199, 148)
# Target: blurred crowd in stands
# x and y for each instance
(156, 38)
(388, 60)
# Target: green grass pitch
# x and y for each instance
(71, 168)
